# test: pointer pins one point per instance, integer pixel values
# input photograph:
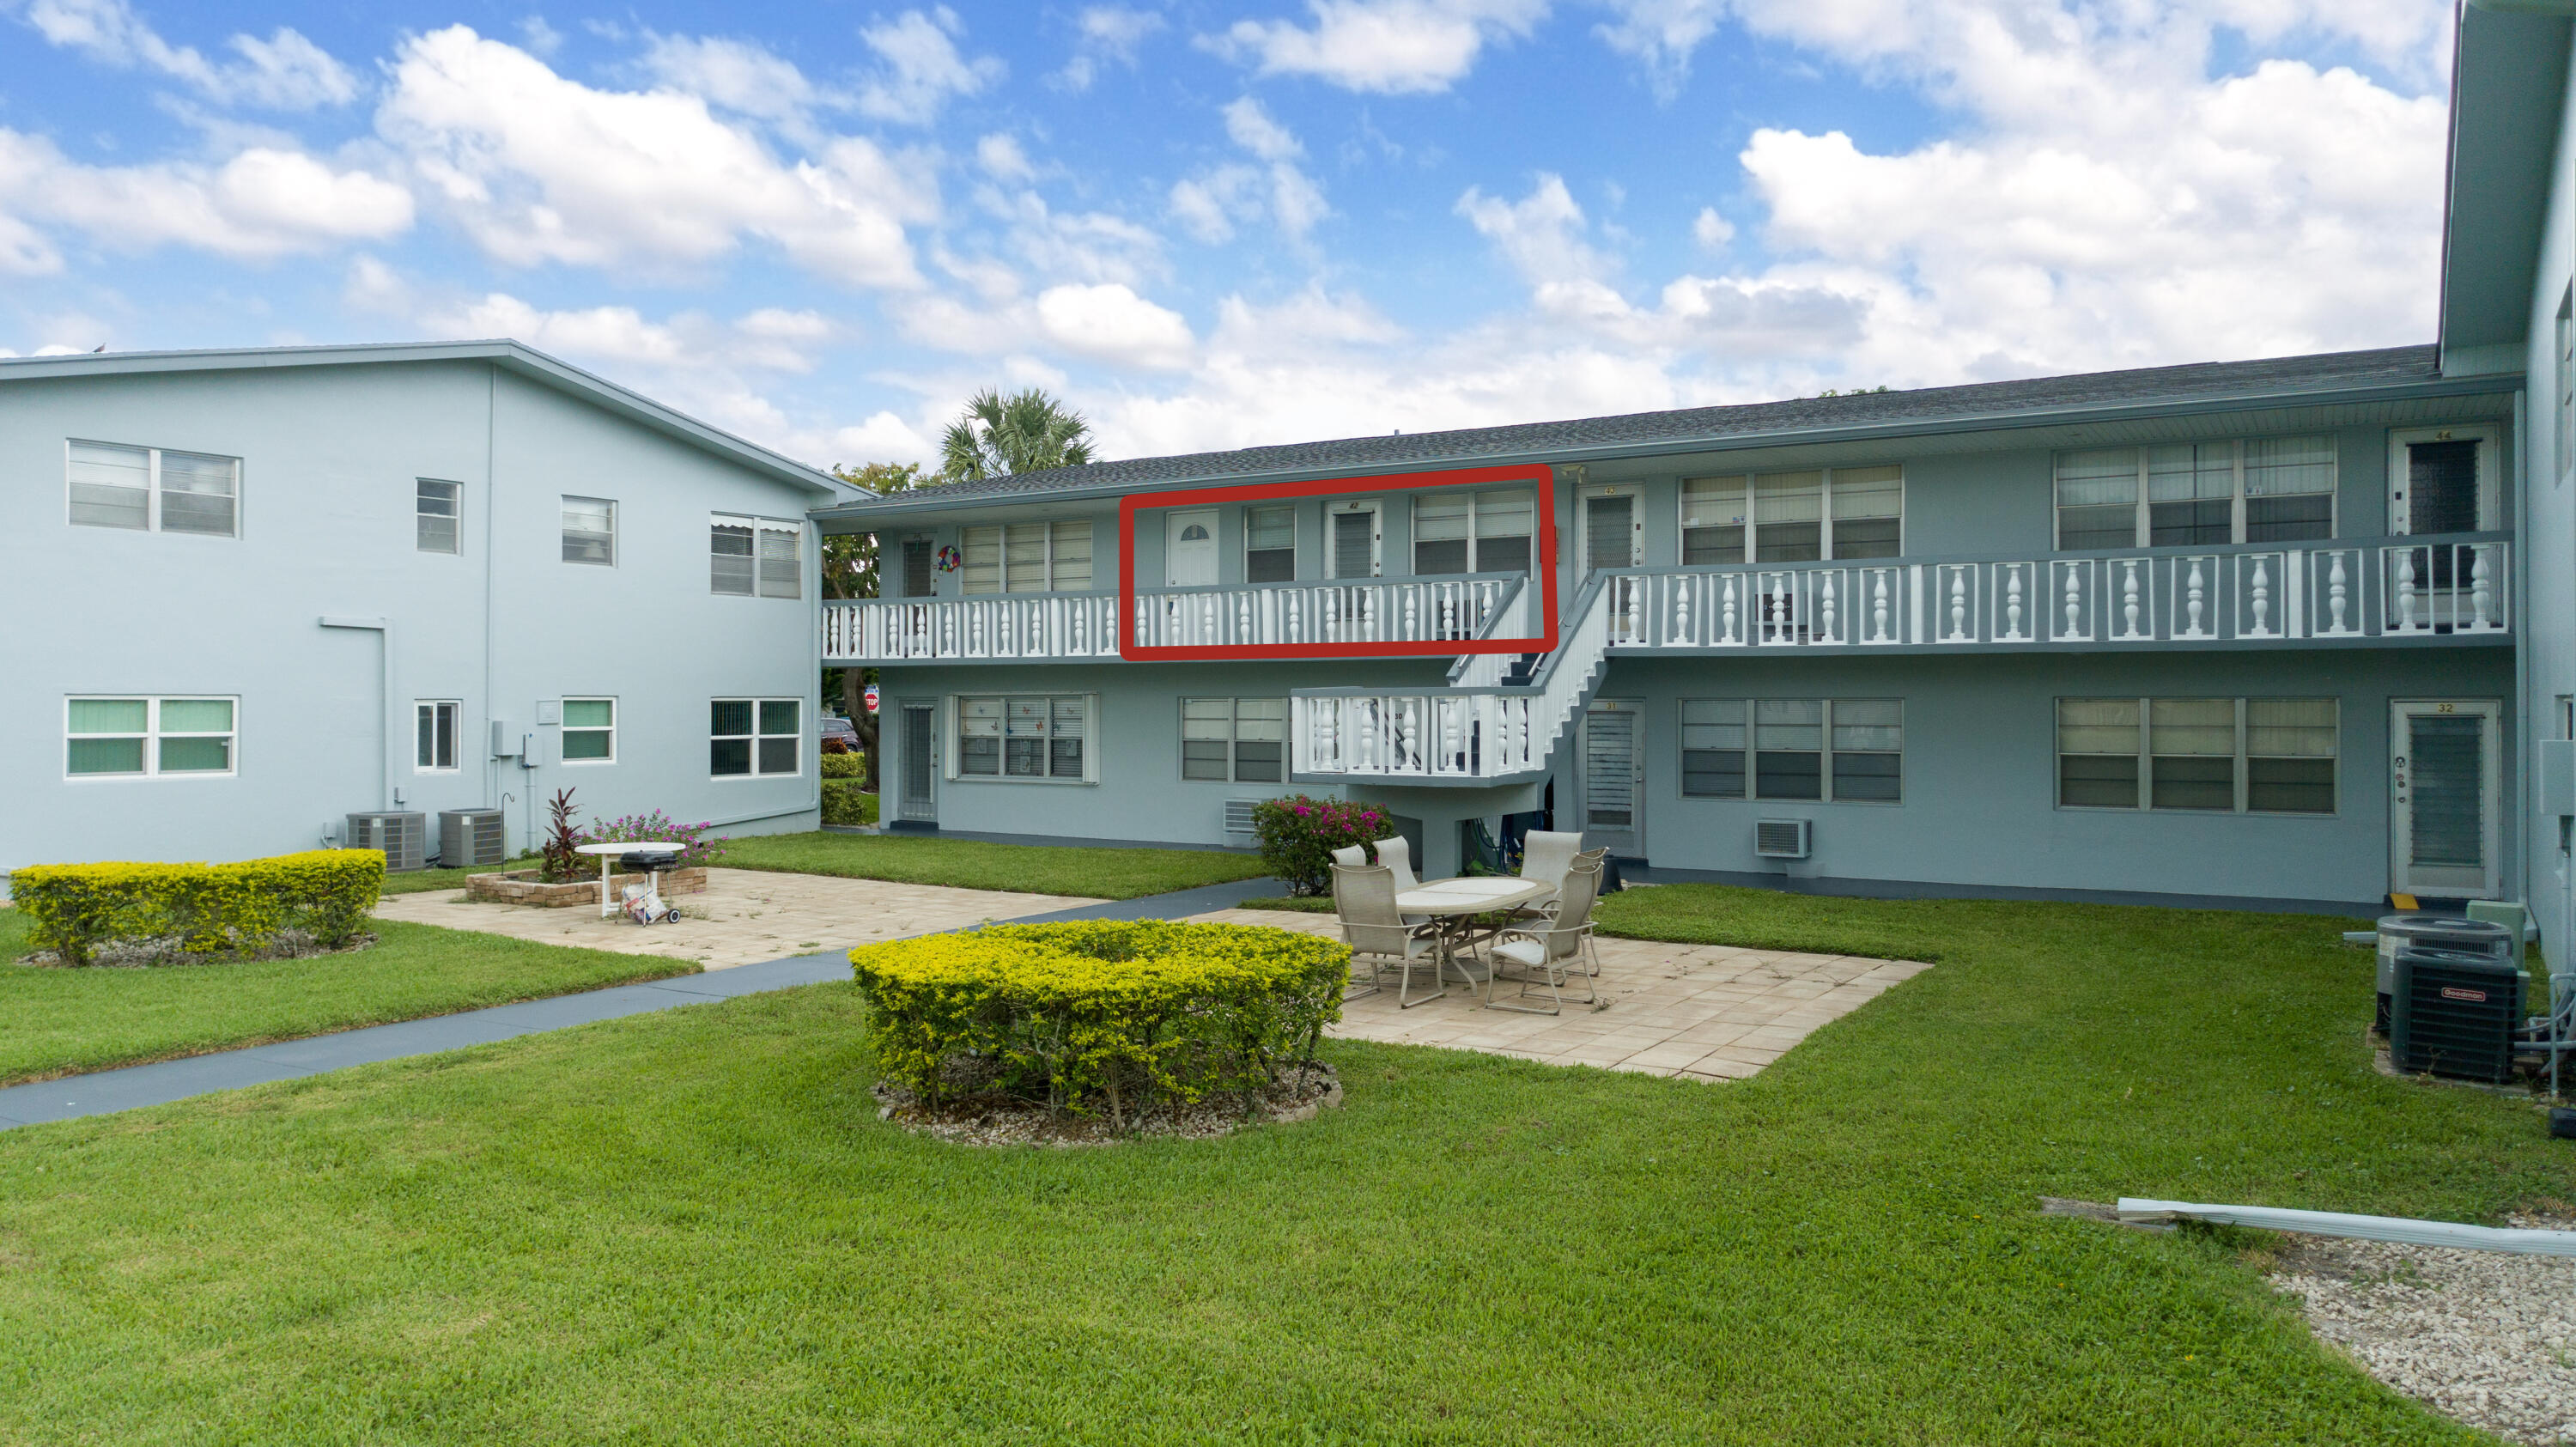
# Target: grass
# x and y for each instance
(1292, 903)
(58, 1021)
(979, 864)
(422, 881)
(691, 1227)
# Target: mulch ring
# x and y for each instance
(997, 1119)
(164, 950)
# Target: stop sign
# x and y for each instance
(870, 695)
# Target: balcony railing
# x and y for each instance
(1008, 626)
(2451, 586)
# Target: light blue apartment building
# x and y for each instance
(252, 592)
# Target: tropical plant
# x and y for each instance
(853, 568)
(1298, 835)
(1023, 432)
(560, 861)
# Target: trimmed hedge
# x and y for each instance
(1099, 1013)
(851, 765)
(847, 801)
(211, 909)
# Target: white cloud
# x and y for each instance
(283, 72)
(1712, 230)
(1106, 33)
(737, 75)
(1387, 47)
(538, 168)
(261, 203)
(1541, 235)
(1002, 159)
(1211, 203)
(1115, 325)
(921, 67)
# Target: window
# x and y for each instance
(2197, 494)
(1024, 739)
(748, 556)
(1027, 558)
(917, 579)
(590, 730)
(590, 530)
(1794, 517)
(149, 489)
(436, 516)
(1481, 532)
(1238, 740)
(748, 737)
(2219, 755)
(434, 736)
(1838, 750)
(1269, 544)
(142, 737)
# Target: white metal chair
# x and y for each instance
(1550, 952)
(1364, 897)
(1545, 856)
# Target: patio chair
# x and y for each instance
(1396, 856)
(1364, 897)
(1553, 951)
(1545, 856)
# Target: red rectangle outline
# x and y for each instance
(1539, 475)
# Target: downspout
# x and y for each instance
(491, 504)
(384, 632)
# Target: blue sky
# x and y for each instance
(822, 225)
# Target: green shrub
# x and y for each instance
(1299, 834)
(1099, 1013)
(211, 909)
(846, 801)
(844, 766)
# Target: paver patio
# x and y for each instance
(1700, 1012)
(745, 916)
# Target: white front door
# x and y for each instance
(2442, 777)
(1189, 549)
(1610, 777)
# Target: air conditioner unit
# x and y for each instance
(1783, 838)
(1238, 815)
(469, 836)
(403, 837)
(2453, 1013)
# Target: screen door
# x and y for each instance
(1613, 801)
(920, 762)
(2442, 776)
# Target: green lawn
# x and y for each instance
(691, 1226)
(57, 1021)
(421, 881)
(977, 864)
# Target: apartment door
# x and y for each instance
(920, 802)
(2441, 480)
(1611, 777)
(1613, 529)
(1189, 549)
(1351, 539)
(2443, 773)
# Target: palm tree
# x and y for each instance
(1023, 432)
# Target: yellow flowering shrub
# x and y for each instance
(1100, 1015)
(210, 909)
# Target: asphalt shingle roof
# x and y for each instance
(2195, 382)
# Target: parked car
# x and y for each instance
(836, 727)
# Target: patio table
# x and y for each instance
(1453, 903)
(607, 862)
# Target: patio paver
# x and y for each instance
(1693, 1012)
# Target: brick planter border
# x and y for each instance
(523, 887)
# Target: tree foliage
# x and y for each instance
(1025, 431)
(853, 568)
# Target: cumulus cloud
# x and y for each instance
(261, 203)
(920, 67)
(539, 168)
(1711, 230)
(1113, 324)
(735, 75)
(283, 72)
(1210, 203)
(1385, 47)
(1002, 159)
(1105, 35)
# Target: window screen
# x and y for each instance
(1269, 545)
(1713, 747)
(2191, 749)
(1712, 520)
(1440, 524)
(590, 530)
(1789, 748)
(1788, 517)
(2097, 753)
(1869, 749)
(2290, 749)
(1868, 511)
(436, 520)
(730, 564)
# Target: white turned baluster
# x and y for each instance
(1878, 608)
(1958, 603)
(1408, 731)
(2074, 602)
(1681, 610)
(2194, 593)
(1825, 611)
(2262, 597)
(1636, 609)
(2337, 594)
(2406, 590)
(2481, 586)
(2012, 602)
(1726, 617)
(2129, 597)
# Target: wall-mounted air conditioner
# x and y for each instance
(469, 836)
(1238, 816)
(1783, 838)
(403, 837)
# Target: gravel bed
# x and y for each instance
(2483, 1337)
(1001, 1120)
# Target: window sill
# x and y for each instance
(1023, 783)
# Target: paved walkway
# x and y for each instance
(745, 916)
(1700, 1012)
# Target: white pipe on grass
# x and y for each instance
(2526, 1242)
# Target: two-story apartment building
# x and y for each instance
(2241, 631)
(251, 592)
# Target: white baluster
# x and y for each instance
(2074, 602)
(2129, 597)
(2406, 590)
(2012, 601)
(1878, 607)
(1408, 727)
(1412, 616)
(2195, 591)
(2481, 586)
(1726, 615)
(2338, 594)
(2262, 597)
(1825, 611)
(1243, 617)
(1636, 610)
(1681, 610)
(1958, 604)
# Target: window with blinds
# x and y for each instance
(1794, 517)
(1234, 740)
(2217, 755)
(755, 737)
(150, 489)
(590, 531)
(1840, 751)
(1027, 557)
(147, 737)
(755, 557)
(1269, 544)
(2196, 494)
(1479, 532)
(1025, 739)
(437, 516)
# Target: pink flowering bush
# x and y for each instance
(1298, 835)
(695, 847)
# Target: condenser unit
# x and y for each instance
(2453, 1013)
(403, 837)
(1783, 838)
(469, 836)
(1238, 815)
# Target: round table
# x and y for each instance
(607, 855)
(1452, 901)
